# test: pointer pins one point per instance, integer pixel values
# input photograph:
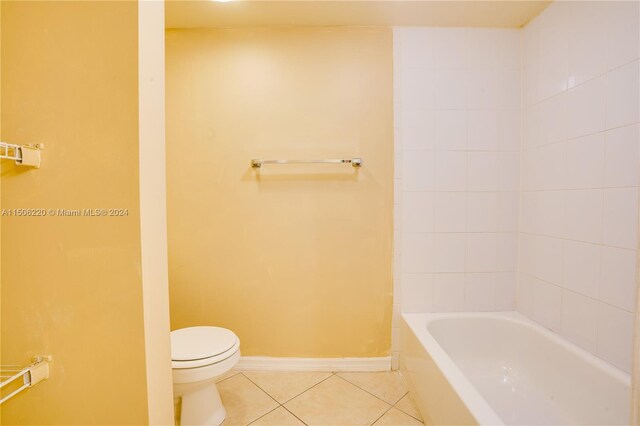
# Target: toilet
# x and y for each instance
(198, 356)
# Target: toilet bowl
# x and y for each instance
(198, 356)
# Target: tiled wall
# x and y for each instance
(579, 212)
(457, 106)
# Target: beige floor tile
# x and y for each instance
(243, 400)
(336, 402)
(386, 385)
(226, 375)
(395, 417)
(278, 417)
(407, 405)
(282, 385)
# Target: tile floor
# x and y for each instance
(317, 398)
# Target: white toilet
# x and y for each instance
(199, 355)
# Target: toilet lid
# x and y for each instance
(194, 343)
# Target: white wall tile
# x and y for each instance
(585, 162)
(416, 47)
(582, 267)
(450, 89)
(579, 215)
(419, 171)
(552, 119)
(621, 217)
(510, 50)
(507, 255)
(505, 291)
(551, 172)
(479, 292)
(483, 48)
(549, 215)
(418, 249)
(623, 35)
(525, 294)
(482, 174)
(483, 89)
(547, 304)
(587, 54)
(618, 277)
(548, 259)
(458, 133)
(450, 50)
(418, 129)
(584, 215)
(482, 252)
(509, 128)
(623, 93)
(448, 292)
(508, 89)
(508, 203)
(615, 336)
(531, 126)
(553, 66)
(586, 108)
(418, 88)
(418, 292)
(483, 130)
(451, 130)
(451, 171)
(509, 171)
(622, 156)
(482, 208)
(450, 212)
(449, 252)
(578, 322)
(418, 212)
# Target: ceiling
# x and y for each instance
(266, 13)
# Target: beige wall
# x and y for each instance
(295, 259)
(71, 286)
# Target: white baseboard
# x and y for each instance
(264, 363)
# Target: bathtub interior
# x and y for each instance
(529, 376)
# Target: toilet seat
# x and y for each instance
(194, 347)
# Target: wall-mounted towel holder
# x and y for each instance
(355, 162)
(31, 375)
(23, 155)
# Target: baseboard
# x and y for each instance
(263, 363)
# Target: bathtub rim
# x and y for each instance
(475, 402)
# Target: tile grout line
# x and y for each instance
(258, 386)
(292, 413)
(267, 413)
(412, 403)
(308, 389)
(228, 377)
(331, 373)
(371, 393)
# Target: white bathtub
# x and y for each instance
(503, 369)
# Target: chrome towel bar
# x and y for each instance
(355, 162)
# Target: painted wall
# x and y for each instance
(71, 286)
(457, 118)
(580, 174)
(295, 259)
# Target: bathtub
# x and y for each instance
(503, 369)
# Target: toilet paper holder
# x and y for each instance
(23, 155)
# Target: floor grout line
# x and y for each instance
(308, 389)
(293, 414)
(268, 412)
(331, 374)
(258, 386)
(362, 389)
(412, 403)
